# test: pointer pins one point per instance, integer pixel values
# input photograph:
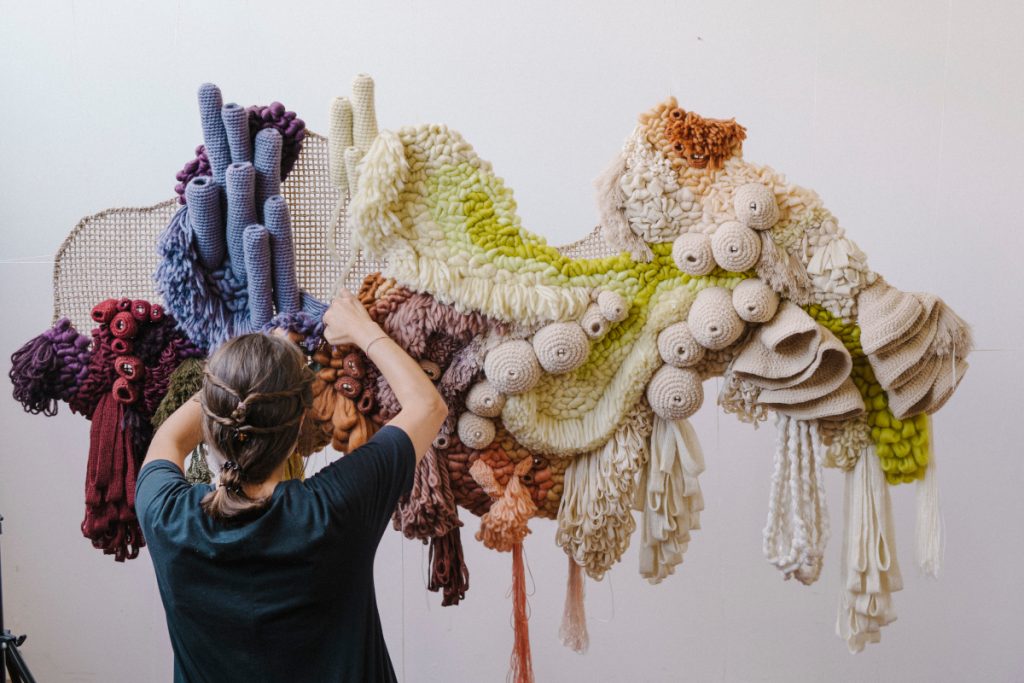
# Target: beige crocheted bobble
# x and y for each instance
(675, 393)
(735, 246)
(475, 431)
(755, 206)
(561, 347)
(484, 400)
(678, 347)
(512, 367)
(755, 301)
(593, 323)
(692, 253)
(613, 307)
(712, 319)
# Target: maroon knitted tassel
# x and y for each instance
(448, 571)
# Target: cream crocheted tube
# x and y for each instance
(677, 346)
(735, 247)
(612, 306)
(475, 431)
(692, 253)
(485, 400)
(561, 347)
(675, 393)
(755, 301)
(593, 323)
(712, 319)
(512, 367)
(755, 206)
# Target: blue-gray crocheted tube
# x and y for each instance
(257, 266)
(240, 181)
(207, 221)
(214, 137)
(236, 126)
(268, 166)
(279, 225)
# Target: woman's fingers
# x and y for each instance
(236, 127)
(207, 221)
(279, 227)
(215, 138)
(267, 162)
(257, 262)
(240, 183)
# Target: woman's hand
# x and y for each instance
(347, 322)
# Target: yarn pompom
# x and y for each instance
(692, 253)
(475, 431)
(713, 320)
(512, 367)
(593, 323)
(678, 347)
(484, 400)
(735, 246)
(755, 206)
(612, 305)
(561, 347)
(675, 393)
(755, 301)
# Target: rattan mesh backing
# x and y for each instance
(113, 253)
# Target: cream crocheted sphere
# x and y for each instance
(475, 431)
(593, 323)
(692, 253)
(613, 307)
(713, 320)
(678, 347)
(484, 400)
(755, 206)
(755, 301)
(735, 246)
(675, 393)
(512, 367)
(561, 347)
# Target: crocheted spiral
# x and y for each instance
(755, 301)
(692, 253)
(755, 206)
(475, 431)
(677, 346)
(713, 320)
(512, 367)
(735, 246)
(594, 324)
(561, 347)
(484, 400)
(675, 393)
(612, 305)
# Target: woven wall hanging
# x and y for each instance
(569, 372)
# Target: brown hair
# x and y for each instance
(255, 393)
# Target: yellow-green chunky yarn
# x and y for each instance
(902, 445)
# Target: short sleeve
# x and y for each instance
(159, 483)
(368, 482)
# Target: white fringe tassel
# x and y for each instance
(929, 544)
(797, 529)
(870, 571)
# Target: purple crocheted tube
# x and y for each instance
(49, 368)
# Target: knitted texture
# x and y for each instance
(675, 393)
(692, 253)
(735, 246)
(677, 346)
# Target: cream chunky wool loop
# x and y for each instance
(485, 400)
(692, 253)
(593, 322)
(713, 320)
(675, 393)
(475, 431)
(735, 246)
(677, 346)
(755, 301)
(512, 367)
(613, 307)
(755, 206)
(561, 347)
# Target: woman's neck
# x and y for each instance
(266, 489)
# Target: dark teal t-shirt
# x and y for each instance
(288, 596)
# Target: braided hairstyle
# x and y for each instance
(255, 393)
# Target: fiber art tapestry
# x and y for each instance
(570, 373)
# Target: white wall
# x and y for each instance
(905, 117)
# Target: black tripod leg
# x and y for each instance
(18, 668)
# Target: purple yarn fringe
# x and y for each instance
(49, 368)
(310, 326)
